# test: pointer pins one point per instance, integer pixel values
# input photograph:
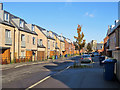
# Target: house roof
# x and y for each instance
(24, 30)
(112, 30)
(42, 29)
(12, 24)
(6, 23)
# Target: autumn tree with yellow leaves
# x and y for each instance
(80, 42)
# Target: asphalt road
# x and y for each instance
(25, 76)
(79, 78)
(57, 75)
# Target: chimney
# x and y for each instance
(1, 6)
(116, 21)
(108, 27)
(112, 26)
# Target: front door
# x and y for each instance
(33, 56)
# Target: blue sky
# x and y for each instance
(63, 17)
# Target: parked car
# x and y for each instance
(86, 59)
(95, 54)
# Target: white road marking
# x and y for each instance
(5, 69)
(34, 63)
(20, 65)
(38, 83)
(45, 79)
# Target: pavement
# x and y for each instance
(57, 74)
(22, 64)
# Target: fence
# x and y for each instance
(5, 60)
(23, 59)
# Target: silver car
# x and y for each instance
(86, 59)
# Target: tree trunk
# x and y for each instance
(79, 62)
(79, 51)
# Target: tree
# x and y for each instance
(89, 47)
(80, 43)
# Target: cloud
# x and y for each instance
(86, 13)
(89, 14)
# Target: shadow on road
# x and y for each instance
(60, 65)
(81, 77)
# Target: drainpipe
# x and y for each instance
(118, 37)
(14, 46)
(18, 42)
(47, 48)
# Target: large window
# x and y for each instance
(22, 37)
(8, 34)
(21, 23)
(33, 40)
(6, 17)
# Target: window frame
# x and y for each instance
(41, 42)
(23, 53)
(33, 40)
(48, 44)
(33, 28)
(22, 37)
(21, 23)
(6, 16)
(8, 34)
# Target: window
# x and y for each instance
(41, 42)
(22, 37)
(8, 34)
(53, 44)
(48, 44)
(61, 46)
(33, 28)
(115, 40)
(22, 54)
(52, 35)
(6, 17)
(56, 45)
(33, 40)
(48, 34)
(21, 24)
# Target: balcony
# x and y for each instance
(8, 41)
(23, 45)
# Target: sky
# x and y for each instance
(63, 17)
